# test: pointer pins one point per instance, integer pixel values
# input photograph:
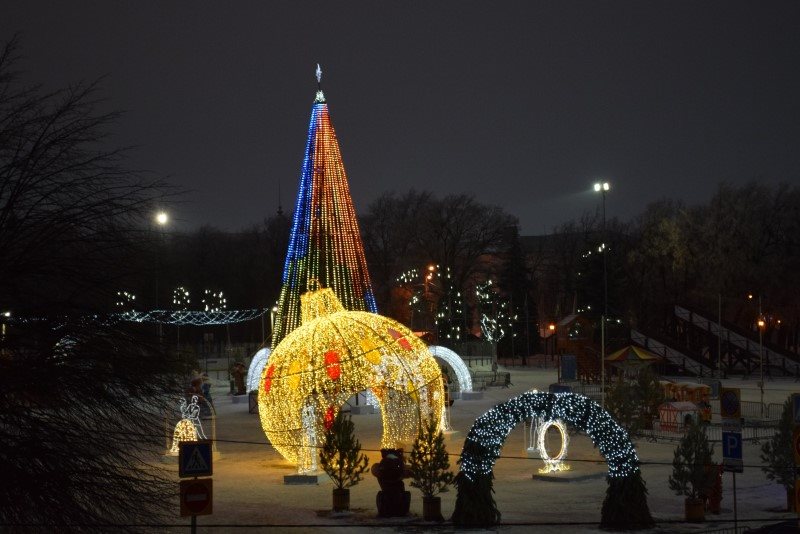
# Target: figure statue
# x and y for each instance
(393, 500)
(189, 427)
(239, 371)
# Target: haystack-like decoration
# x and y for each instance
(333, 355)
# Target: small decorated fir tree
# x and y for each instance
(342, 460)
(430, 465)
(430, 468)
(778, 457)
(691, 475)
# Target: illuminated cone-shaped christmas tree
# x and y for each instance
(325, 243)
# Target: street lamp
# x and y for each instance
(602, 188)
(161, 219)
(6, 314)
(761, 324)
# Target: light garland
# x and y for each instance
(487, 435)
(180, 298)
(335, 355)
(463, 378)
(325, 243)
(256, 368)
(193, 318)
(450, 318)
(494, 320)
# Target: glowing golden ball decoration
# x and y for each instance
(333, 355)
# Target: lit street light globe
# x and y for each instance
(162, 218)
(602, 186)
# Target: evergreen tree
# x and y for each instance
(430, 465)
(693, 455)
(777, 453)
(450, 316)
(519, 288)
(493, 311)
(341, 456)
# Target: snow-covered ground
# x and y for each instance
(249, 488)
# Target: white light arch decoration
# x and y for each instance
(456, 363)
(257, 365)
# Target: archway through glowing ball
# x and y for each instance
(333, 355)
(256, 368)
(454, 361)
(625, 505)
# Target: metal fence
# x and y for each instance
(756, 434)
(751, 410)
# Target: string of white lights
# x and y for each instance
(487, 435)
(190, 317)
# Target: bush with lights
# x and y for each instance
(625, 505)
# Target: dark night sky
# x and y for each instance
(524, 104)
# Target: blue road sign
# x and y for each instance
(194, 459)
(732, 451)
(729, 403)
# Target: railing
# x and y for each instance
(756, 434)
(668, 353)
(771, 357)
(751, 410)
(483, 379)
(593, 391)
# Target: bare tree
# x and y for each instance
(82, 396)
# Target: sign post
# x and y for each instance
(730, 405)
(732, 451)
(196, 496)
(195, 459)
(730, 410)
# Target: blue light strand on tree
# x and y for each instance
(325, 248)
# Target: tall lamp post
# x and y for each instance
(602, 188)
(162, 218)
(760, 323)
